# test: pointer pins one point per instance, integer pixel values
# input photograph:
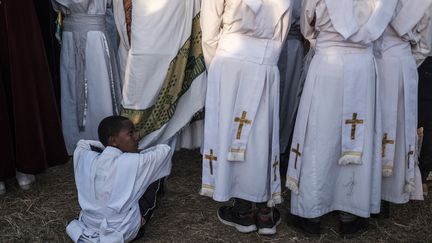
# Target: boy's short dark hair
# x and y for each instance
(109, 127)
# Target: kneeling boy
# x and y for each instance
(114, 183)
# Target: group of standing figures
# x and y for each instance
(337, 126)
(354, 143)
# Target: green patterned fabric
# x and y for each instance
(182, 71)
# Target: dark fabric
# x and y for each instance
(425, 160)
(47, 17)
(148, 204)
(261, 205)
(425, 116)
(148, 201)
(6, 140)
(425, 91)
(34, 123)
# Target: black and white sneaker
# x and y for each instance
(243, 222)
(267, 220)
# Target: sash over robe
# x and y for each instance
(354, 106)
(398, 99)
(331, 161)
(251, 83)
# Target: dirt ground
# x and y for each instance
(42, 213)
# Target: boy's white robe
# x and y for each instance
(331, 165)
(242, 41)
(109, 186)
(397, 84)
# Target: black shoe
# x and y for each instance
(243, 222)
(349, 229)
(308, 227)
(267, 219)
(384, 211)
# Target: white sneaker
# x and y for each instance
(25, 180)
(2, 188)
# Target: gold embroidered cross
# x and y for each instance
(410, 153)
(384, 143)
(210, 158)
(354, 122)
(275, 164)
(242, 121)
(297, 153)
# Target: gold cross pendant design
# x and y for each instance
(354, 122)
(275, 164)
(211, 158)
(297, 153)
(384, 143)
(242, 121)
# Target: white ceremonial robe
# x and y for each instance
(159, 30)
(90, 84)
(109, 186)
(398, 100)
(192, 136)
(242, 42)
(331, 165)
(291, 84)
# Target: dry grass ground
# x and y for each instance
(41, 214)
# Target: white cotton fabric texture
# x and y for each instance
(109, 186)
(241, 55)
(339, 73)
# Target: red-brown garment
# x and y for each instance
(31, 138)
(47, 22)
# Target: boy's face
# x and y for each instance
(127, 138)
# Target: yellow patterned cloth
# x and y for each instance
(186, 66)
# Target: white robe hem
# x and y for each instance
(319, 213)
(277, 199)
